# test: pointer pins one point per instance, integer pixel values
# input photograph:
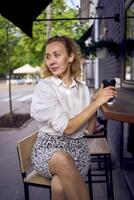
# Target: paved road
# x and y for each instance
(21, 97)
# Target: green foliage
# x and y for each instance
(8, 42)
(17, 49)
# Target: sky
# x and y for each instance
(73, 3)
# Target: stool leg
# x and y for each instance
(90, 183)
(50, 193)
(26, 191)
(111, 178)
(99, 163)
(106, 169)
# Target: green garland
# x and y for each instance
(112, 47)
(130, 47)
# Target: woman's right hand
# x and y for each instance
(104, 94)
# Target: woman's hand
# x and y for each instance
(104, 94)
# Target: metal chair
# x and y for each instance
(29, 176)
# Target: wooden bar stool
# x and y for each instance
(100, 152)
(29, 176)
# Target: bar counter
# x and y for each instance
(123, 107)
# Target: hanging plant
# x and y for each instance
(83, 47)
(112, 47)
(102, 52)
(130, 47)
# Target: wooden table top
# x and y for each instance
(123, 107)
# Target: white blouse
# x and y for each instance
(53, 104)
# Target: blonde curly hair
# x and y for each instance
(71, 48)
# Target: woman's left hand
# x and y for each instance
(110, 90)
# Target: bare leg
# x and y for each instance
(57, 189)
(63, 165)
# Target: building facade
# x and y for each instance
(114, 21)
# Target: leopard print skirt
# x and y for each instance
(46, 145)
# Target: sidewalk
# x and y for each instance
(17, 106)
(11, 187)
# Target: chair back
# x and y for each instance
(24, 148)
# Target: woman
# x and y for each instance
(63, 108)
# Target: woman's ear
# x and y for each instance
(71, 58)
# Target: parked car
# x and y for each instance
(30, 81)
(22, 81)
(16, 81)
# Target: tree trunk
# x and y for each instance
(10, 95)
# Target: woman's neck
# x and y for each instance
(67, 80)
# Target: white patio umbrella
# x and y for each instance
(37, 69)
(26, 69)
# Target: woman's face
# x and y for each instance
(57, 59)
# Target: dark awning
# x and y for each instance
(87, 34)
(83, 38)
(22, 13)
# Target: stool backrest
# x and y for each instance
(24, 148)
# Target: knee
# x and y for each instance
(61, 162)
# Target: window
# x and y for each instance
(128, 79)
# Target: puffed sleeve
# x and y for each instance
(45, 107)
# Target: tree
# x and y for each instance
(7, 43)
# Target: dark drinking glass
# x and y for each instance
(107, 83)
